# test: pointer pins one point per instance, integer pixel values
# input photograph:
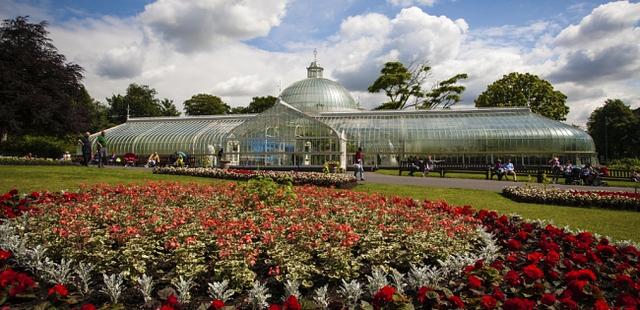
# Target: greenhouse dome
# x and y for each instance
(316, 120)
(316, 94)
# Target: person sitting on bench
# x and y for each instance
(509, 170)
(498, 171)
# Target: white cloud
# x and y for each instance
(406, 3)
(202, 24)
(182, 48)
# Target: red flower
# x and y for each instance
(552, 258)
(606, 250)
(514, 244)
(569, 303)
(548, 299)
(518, 304)
(474, 282)
(422, 294)
(4, 254)
(58, 291)
(624, 281)
(172, 300)
(88, 307)
(456, 301)
(535, 257)
(292, 303)
(167, 307)
(385, 294)
(216, 304)
(498, 294)
(533, 272)
(275, 307)
(513, 278)
(601, 304)
(582, 274)
(488, 302)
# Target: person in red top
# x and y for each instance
(359, 164)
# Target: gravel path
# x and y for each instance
(488, 185)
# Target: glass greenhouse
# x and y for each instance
(316, 120)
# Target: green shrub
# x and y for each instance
(625, 163)
(38, 146)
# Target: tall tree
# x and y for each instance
(257, 105)
(400, 84)
(205, 104)
(139, 101)
(615, 130)
(168, 108)
(525, 89)
(446, 94)
(40, 92)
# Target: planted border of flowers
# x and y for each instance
(523, 265)
(571, 197)
(21, 161)
(339, 180)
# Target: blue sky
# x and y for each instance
(589, 50)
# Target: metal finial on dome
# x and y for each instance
(314, 71)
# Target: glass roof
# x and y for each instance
(477, 131)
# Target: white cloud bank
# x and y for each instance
(183, 48)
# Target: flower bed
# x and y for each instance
(283, 177)
(512, 264)
(552, 195)
(21, 161)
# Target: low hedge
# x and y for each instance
(282, 177)
(21, 161)
(38, 146)
(552, 195)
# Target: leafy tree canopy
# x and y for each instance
(615, 130)
(403, 87)
(257, 105)
(139, 101)
(205, 104)
(40, 92)
(525, 89)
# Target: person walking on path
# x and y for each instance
(86, 148)
(359, 164)
(101, 144)
(556, 168)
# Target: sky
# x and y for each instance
(239, 49)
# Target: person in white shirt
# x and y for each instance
(510, 170)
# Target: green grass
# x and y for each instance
(528, 179)
(621, 225)
(37, 178)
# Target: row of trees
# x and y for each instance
(41, 93)
(404, 88)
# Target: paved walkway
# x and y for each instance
(488, 185)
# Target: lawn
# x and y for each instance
(619, 225)
(526, 178)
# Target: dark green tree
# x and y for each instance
(168, 108)
(615, 130)
(139, 101)
(205, 104)
(400, 84)
(522, 90)
(40, 92)
(257, 105)
(446, 94)
(98, 112)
